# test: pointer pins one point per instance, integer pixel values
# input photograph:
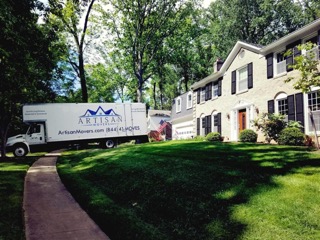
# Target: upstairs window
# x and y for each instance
(281, 63)
(203, 94)
(178, 105)
(243, 79)
(215, 90)
(189, 100)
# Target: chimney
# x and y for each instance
(217, 65)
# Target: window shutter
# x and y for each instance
(299, 108)
(271, 106)
(233, 82)
(209, 91)
(219, 86)
(296, 52)
(250, 75)
(208, 124)
(198, 126)
(289, 59)
(198, 95)
(219, 123)
(269, 65)
(291, 108)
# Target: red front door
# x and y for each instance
(242, 119)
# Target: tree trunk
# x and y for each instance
(82, 77)
(155, 95)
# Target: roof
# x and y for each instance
(235, 50)
(159, 113)
(264, 50)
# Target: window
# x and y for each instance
(189, 100)
(215, 89)
(243, 79)
(203, 94)
(283, 106)
(281, 66)
(314, 105)
(178, 105)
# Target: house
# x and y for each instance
(251, 81)
(159, 126)
(182, 117)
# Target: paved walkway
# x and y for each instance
(50, 212)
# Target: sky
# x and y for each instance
(206, 3)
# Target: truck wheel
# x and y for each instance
(109, 143)
(20, 150)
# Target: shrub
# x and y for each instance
(199, 138)
(248, 135)
(291, 136)
(271, 125)
(213, 137)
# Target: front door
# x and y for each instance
(242, 119)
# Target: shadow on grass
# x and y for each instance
(176, 190)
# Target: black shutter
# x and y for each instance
(198, 95)
(198, 126)
(291, 108)
(289, 59)
(219, 123)
(296, 52)
(269, 65)
(271, 106)
(206, 93)
(299, 108)
(233, 82)
(250, 75)
(208, 124)
(209, 91)
(219, 86)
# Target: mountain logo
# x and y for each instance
(99, 113)
(100, 117)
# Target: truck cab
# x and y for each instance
(20, 144)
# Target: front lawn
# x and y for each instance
(198, 190)
(12, 174)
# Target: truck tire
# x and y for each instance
(109, 143)
(20, 150)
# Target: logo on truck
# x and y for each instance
(100, 117)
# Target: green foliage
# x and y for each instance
(291, 136)
(213, 137)
(307, 65)
(248, 135)
(271, 125)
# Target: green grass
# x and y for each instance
(198, 190)
(12, 173)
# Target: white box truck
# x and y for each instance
(61, 124)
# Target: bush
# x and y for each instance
(248, 135)
(213, 137)
(291, 136)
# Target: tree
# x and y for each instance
(258, 22)
(27, 60)
(69, 14)
(141, 27)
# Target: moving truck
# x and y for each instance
(61, 124)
